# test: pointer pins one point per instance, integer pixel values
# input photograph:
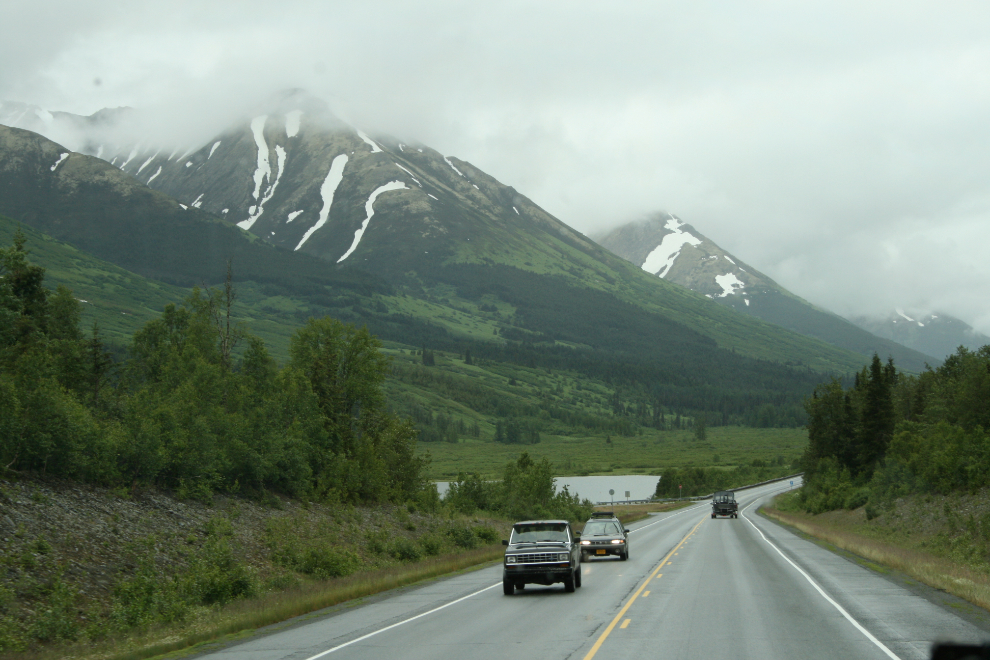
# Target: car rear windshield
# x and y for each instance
(536, 532)
(600, 529)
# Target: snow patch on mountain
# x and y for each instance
(198, 201)
(293, 216)
(134, 152)
(433, 196)
(660, 260)
(369, 209)
(146, 163)
(730, 284)
(451, 166)
(410, 174)
(516, 210)
(264, 169)
(59, 161)
(213, 148)
(327, 190)
(280, 167)
(900, 312)
(374, 145)
(153, 176)
(729, 259)
(292, 120)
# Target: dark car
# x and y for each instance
(541, 552)
(724, 504)
(604, 535)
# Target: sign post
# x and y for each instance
(611, 493)
(679, 491)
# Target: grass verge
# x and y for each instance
(938, 572)
(242, 617)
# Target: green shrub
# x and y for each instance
(433, 544)
(405, 550)
(487, 534)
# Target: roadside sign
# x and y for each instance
(792, 482)
(627, 494)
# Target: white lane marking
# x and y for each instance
(687, 510)
(396, 625)
(842, 611)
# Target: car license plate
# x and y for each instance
(599, 552)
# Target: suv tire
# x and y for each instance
(507, 587)
(569, 583)
(577, 577)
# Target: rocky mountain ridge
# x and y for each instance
(663, 245)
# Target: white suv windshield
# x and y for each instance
(539, 532)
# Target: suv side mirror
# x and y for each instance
(505, 542)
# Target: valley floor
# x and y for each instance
(649, 453)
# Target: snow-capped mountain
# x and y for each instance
(936, 334)
(298, 177)
(665, 246)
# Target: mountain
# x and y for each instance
(932, 333)
(451, 259)
(673, 251)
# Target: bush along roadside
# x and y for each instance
(81, 565)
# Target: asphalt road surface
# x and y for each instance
(693, 587)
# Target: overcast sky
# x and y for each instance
(843, 148)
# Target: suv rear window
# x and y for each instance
(539, 532)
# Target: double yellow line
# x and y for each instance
(622, 612)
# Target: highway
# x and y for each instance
(693, 587)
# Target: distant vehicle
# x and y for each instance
(724, 504)
(604, 535)
(541, 552)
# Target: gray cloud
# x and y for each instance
(838, 147)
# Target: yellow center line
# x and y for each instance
(625, 623)
(608, 631)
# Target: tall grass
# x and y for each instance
(954, 577)
(245, 616)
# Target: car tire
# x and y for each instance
(577, 577)
(624, 556)
(713, 515)
(507, 588)
(569, 583)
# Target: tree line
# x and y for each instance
(199, 405)
(892, 434)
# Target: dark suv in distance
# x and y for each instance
(541, 552)
(604, 535)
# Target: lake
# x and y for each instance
(596, 488)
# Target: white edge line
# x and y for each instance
(395, 625)
(842, 611)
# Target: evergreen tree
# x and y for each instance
(877, 417)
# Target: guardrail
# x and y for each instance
(698, 498)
